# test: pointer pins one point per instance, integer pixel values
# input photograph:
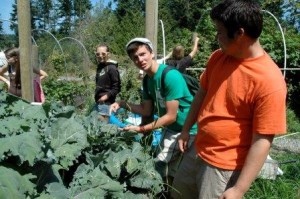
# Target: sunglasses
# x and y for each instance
(98, 54)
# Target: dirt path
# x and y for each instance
(289, 142)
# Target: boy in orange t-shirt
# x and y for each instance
(239, 108)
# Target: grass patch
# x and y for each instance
(286, 186)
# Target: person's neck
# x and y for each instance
(249, 49)
(153, 68)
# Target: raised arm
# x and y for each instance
(195, 47)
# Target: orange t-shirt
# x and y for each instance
(243, 96)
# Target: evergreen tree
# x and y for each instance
(65, 13)
(1, 32)
(129, 7)
(80, 8)
(1, 26)
(14, 16)
(43, 14)
(130, 16)
(292, 13)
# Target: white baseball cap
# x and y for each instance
(141, 40)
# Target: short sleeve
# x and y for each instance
(175, 86)
(203, 80)
(270, 113)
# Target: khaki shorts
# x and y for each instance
(168, 155)
(197, 179)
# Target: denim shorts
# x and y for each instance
(102, 109)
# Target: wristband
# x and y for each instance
(125, 105)
(142, 129)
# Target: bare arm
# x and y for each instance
(145, 109)
(162, 60)
(3, 79)
(4, 69)
(195, 47)
(40, 72)
(256, 157)
(191, 119)
(167, 56)
(166, 119)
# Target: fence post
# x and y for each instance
(24, 29)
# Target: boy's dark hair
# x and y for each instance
(235, 14)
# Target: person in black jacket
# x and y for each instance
(108, 82)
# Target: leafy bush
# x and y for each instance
(66, 91)
(293, 123)
(130, 84)
(51, 152)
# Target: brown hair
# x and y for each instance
(178, 52)
(103, 45)
(14, 52)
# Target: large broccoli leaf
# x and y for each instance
(68, 138)
(93, 183)
(14, 185)
(26, 146)
(147, 178)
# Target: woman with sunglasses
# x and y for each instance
(108, 82)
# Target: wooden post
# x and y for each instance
(24, 29)
(152, 22)
(35, 56)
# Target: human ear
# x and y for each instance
(240, 32)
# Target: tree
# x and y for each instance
(1, 26)
(130, 16)
(43, 15)
(128, 7)
(292, 13)
(1, 32)
(81, 7)
(14, 16)
(65, 13)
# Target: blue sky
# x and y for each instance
(6, 8)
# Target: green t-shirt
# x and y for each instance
(175, 88)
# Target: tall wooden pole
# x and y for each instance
(35, 56)
(152, 22)
(24, 29)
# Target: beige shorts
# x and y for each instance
(197, 179)
(168, 154)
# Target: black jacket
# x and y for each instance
(107, 81)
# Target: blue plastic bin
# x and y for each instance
(156, 137)
(114, 120)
